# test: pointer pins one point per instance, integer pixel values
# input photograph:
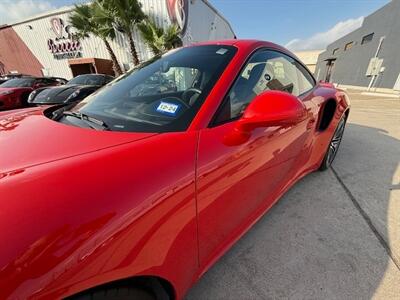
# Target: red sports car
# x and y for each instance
(14, 93)
(134, 195)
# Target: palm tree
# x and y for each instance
(83, 20)
(126, 15)
(159, 39)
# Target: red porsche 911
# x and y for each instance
(137, 190)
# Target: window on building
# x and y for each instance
(335, 51)
(348, 46)
(367, 38)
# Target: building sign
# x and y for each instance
(178, 13)
(65, 44)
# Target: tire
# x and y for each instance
(115, 293)
(333, 145)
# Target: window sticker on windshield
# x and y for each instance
(168, 108)
(222, 51)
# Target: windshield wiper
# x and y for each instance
(100, 124)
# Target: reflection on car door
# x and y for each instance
(236, 183)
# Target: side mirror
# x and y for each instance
(271, 108)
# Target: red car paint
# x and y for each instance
(80, 208)
(15, 97)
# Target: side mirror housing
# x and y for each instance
(271, 108)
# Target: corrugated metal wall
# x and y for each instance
(203, 24)
(36, 33)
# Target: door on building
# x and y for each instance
(92, 65)
(80, 69)
(329, 69)
(397, 84)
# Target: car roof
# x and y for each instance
(250, 45)
(237, 42)
(245, 44)
(24, 77)
(54, 77)
(91, 74)
(34, 77)
(12, 76)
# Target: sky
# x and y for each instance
(296, 24)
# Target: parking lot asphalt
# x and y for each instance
(335, 234)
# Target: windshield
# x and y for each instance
(19, 82)
(87, 80)
(44, 96)
(161, 95)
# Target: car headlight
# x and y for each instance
(6, 93)
(31, 96)
(73, 95)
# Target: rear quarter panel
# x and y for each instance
(321, 140)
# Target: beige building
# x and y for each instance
(49, 37)
(309, 58)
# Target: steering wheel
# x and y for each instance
(180, 101)
(188, 92)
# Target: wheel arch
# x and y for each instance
(347, 112)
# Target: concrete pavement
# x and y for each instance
(335, 234)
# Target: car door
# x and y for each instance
(237, 183)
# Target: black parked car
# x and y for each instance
(74, 90)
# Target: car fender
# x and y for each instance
(82, 238)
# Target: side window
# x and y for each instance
(40, 82)
(266, 70)
(108, 79)
(48, 81)
(306, 81)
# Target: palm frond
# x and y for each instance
(103, 19)
(159, 39)
(79, 19)
(94, 19)
(126, 13)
